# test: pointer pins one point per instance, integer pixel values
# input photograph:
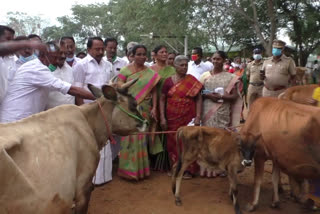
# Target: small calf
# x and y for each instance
(213, 148)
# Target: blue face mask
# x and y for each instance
(257, 56)
(69, 59)
(26, 59)
(276, 51)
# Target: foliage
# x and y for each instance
(24, 24)
(207, 23)
(303, 18)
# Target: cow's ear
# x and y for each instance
(109, 92)
(95, 91)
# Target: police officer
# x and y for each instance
(278, 71)
(253, 75)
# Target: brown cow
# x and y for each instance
(300, 94)
(48, 159)
(301, 75)
(212, 148)
(287, 133)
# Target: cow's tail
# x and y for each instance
(236, 204)
(178, 165)
(282, 96)
(179, 141)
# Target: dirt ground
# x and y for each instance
(198, 195)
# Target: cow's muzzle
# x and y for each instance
(246, 162)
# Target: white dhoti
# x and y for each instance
(104, 169)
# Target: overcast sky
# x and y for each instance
(46, 9)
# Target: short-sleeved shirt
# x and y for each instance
(117, 65)
(55, 98)
(7, 72)
(278, 72)
(3, 79)
(197, 70)
(28, 92)
(89, 71)
(253, 71)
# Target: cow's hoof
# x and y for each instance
(275, 205)
(178, 202)
(250, 208)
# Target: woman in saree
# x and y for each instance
(133, 159)
(161, 66)
(222, 104)
(180, 102)
(158, 154)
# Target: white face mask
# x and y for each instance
(69, 59)
(257, 56)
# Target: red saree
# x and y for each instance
(180, 110)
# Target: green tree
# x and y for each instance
(24, 24)
(303, 18)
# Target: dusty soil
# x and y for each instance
(199, 196)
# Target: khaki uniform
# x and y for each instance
(255, 84)
(277, 75)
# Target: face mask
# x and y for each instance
(52, 67)
(276, 52)
(26, 59)
(236, 65)
(194, 57)
(69, 59)
(257, 56)
(36, 53)
(226, 67)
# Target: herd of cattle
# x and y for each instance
(48, 160)
(284, 130)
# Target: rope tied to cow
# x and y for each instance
(230, 129)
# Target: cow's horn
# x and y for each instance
(113, 80)
(128, 84)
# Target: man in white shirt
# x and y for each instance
(63, 71)
(24, 55)
(95, 70)
(111, 45)
(70, 43)
(196, 67)
(28, 92)
(7, 62)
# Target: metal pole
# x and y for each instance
(185, 45)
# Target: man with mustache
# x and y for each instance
(70, 44)
(62, 70)
(95, 70)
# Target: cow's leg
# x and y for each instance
(294, 188)
(258, 175)
(83, 197)
(174, 178)
(179, 172)
(233, 191)
(299, 189)
(275, 182)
